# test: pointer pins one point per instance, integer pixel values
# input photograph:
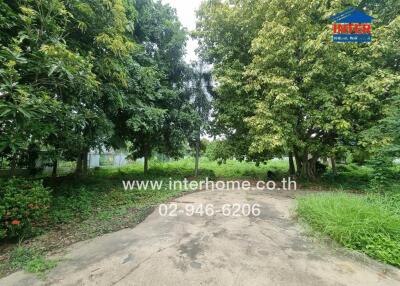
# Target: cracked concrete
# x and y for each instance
(269, 249)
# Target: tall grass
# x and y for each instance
(369, 224)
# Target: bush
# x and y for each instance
(364, 223)
(23, 207)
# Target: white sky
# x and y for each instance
(186, 10)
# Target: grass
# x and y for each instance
(366, 223)
(248, 170)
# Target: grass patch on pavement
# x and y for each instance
(30, 260)
(366, 223)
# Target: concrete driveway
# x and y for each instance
(213, 250)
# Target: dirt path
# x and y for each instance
(218, 250)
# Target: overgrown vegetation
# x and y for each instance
(82, 75)
(367, 219)
(370, 224)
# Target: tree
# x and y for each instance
(37, 67)
(108, 41)
(157, 113)
(200, 89)
(307, 95)
(382, 139)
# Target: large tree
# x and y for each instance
(296, 90)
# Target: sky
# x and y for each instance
(186, 10)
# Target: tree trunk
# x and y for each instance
(308, 167)
(333, 163)
(292, 170)
(13, 167)
(146, 163)
(196, 165)
(85, 162)
(78, 169)
(312, 168)
(304, 166)
(299, 164)
(54, 172)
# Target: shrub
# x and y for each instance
(23, 207)
(383, 174)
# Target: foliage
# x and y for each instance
(23, 207)
(367, 224)
(382, 175)
(348, 177)
(231, 169)
(42, 79)
(76, 205)
(225, 30)
(39, 265)
(219, 150)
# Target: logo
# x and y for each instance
(352, 26)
